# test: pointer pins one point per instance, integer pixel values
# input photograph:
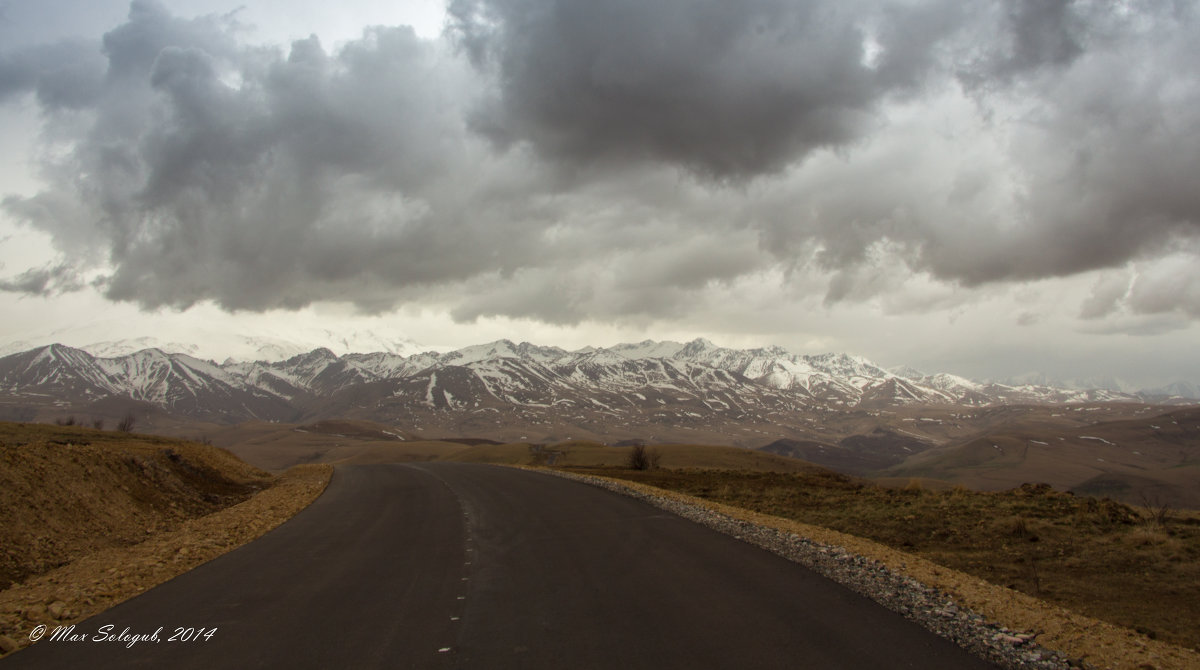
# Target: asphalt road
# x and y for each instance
(471, 566)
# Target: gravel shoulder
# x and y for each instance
(98, 581)
(999, 624)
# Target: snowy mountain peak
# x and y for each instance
(539, 353)
(149, 354)
(846, 364)
(697, 347)
(907, 372)
(948, 382)
(118, 348)
(480, 352)
(49, 355)
(315, 356)
(602, 357)
(773, 350)
(645, 349)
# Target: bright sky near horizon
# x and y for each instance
(987, 188)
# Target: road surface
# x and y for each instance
(471, 566)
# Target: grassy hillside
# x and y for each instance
(69, 491)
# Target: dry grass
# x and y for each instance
(14, 435)
(1094, 556)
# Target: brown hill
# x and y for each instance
(858, 455)
(1149, 459)
(53, 479)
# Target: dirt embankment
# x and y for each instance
(89, 519)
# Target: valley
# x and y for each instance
(835, 410)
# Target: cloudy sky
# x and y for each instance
(984, 187)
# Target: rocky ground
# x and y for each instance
(1007, 627)
(99, 580)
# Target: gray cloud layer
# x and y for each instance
(44, 281)
(724, 90)
(572, 159)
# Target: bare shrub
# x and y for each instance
(98, 424)
(538, 455)
(1157, 513)
(125, 425)
(637, 458)
(641, 458)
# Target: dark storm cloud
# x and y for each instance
(909, 38)
(565, 160)
(1041, 34)
(1035, 34)
(727, 90)
(1105, 159)
(1096, 110)
(261, 179)
(738, 91)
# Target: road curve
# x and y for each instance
(440, 565)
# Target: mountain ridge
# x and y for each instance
(247, 349)
(659, 381)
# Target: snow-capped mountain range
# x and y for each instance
(648, 381)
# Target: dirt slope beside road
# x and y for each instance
(88, 518)
(69, 491)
